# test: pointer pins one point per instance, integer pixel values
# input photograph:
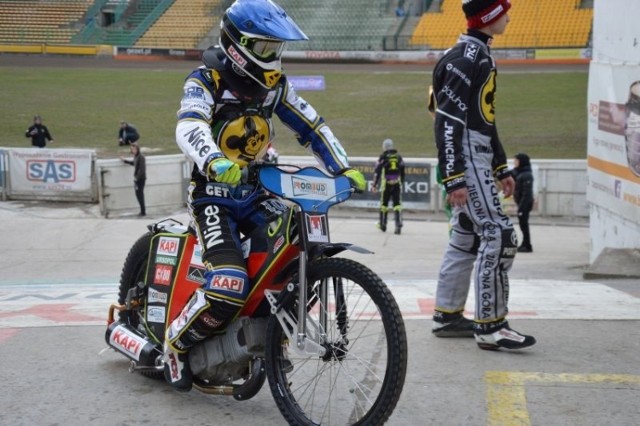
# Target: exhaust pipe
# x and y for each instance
(133, 344)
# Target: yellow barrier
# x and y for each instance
(70, 50)
(21, 48)
(57, 49)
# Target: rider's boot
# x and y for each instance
(383, 221)
(176, 369)
(398, 217)
(191, 326)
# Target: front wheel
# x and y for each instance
(358, 381)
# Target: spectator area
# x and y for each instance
(534, 23)
(41, 21)
(340, 24)
(183, 25)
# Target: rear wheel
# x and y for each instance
(133, 290)
(358, 381)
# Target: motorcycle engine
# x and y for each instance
(225, 358)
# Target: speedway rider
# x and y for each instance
(224, 124)
(471, 159)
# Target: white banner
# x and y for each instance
(50, 171)
(614, 110)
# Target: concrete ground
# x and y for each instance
(60, 267)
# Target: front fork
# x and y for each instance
(307, 334)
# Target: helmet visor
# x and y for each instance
(266, 50)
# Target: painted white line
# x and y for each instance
(87, 304)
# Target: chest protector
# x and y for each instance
(242, 126)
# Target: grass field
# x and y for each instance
(543, 114)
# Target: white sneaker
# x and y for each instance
(505, 338)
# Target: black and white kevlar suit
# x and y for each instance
(223, 113)
(471, 155)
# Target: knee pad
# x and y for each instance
(464, 239)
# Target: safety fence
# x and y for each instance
(79, 176)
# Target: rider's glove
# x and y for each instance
(358, 182)
(224, 170)
(272, 209)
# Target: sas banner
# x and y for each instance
(50, 173)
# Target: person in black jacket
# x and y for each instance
(39, 133)
(523, 196)
(139, 164)
(127, 134)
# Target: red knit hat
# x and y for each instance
(480, 13)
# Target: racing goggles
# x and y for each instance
(266, 50)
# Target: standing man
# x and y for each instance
(523, 196)
(127, 134)
(39, 133)
(389, 175)
(139, 164)
(471, 158)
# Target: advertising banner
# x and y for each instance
(50, 173)
(614, 111)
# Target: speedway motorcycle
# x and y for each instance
(324, 330)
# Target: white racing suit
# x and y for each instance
(470, 155)
(225, 114)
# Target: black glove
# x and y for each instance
(272, 209)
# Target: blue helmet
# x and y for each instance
(253, 35)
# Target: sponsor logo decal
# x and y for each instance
(237, 57)
(471, 51)
(308, 187)
(156, 314)
(156, 296)
(489, 16)
(55, 171)
(456, 71)
(196, 139)
(167, 260)
(487, 98)
(279, 242)
(196, 275)
(168, 246)
(212, 232)
(196, 256)
(162, 275)
(127, 342)
(194, 92)
(228, 282)
(455, 98)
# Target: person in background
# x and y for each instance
(127, 134)
(523, 196)
(389, 177)
(39, 133)
(224, 125)
(471, 158)
(139, 164)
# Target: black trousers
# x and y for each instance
(139, 188)
(523, 221)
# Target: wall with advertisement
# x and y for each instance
(613, 161)
(48, 174)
